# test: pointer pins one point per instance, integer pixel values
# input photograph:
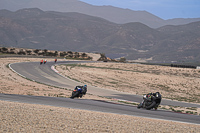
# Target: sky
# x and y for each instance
(165, 9)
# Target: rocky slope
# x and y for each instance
(110, 13)
(34, 28)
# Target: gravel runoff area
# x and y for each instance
(173, 83)
(20, 117)
(180, 84)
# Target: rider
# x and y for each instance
(41, 61)
(148, 98)
(84, 89)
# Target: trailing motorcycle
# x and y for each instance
(150, 101)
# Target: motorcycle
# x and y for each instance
(150, 101)
(76, 93)
(79, 91)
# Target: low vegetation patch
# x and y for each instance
(173, 83)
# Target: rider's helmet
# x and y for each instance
(84, 89)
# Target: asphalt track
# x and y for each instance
(44, 74)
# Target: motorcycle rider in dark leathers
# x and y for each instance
(83, 89)
(149, 98)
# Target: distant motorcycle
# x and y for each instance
(41, 62)
(150, 101)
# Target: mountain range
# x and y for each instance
(38, 29)
(110, 13)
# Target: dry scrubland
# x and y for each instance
(11, 83)
(20, 117)
(173, 83)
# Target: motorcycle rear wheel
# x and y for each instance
(151, 106)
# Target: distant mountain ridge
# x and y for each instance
(110, 13)
(37, 29)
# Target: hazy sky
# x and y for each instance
(165, 9)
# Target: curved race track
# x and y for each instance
(44, 74)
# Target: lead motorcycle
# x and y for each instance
(76, 93)
(79, 91)
(150, 101)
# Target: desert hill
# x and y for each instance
(37, 29)
(110, 13)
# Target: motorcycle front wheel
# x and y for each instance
(74, 94)
(139, 106)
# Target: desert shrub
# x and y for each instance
(4, 49)
(55, 53)
(122, 59)
(70, 52)
(77, 55)
(63, 54)
(21, 52)
(36, 51)
(45, 50)
(12, 49)
(29, 52)
(41, 53)
(84, 55)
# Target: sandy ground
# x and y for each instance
(172, 83)
(20, 117)
(9, 81)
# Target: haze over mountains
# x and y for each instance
(34, 28)
(112, 14)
